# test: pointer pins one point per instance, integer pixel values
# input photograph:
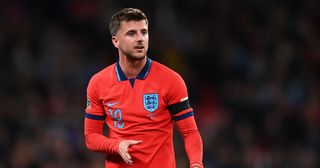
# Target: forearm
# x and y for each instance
(193, 146)
(192, 141)
(95, 140)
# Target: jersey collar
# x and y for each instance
(142, 75)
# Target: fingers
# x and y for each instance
(134, 142)
(195, 165)
(123, 149)
(125, 155)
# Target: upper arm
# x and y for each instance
(94, 109)
(178, 101)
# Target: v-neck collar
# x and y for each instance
(142, 74)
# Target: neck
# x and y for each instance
(131, 67)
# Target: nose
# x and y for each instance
(140, 37)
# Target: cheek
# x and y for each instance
(124, 43)
(146, 39)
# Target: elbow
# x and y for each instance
(89, 146)
(89, 142)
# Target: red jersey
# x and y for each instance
(143, 108)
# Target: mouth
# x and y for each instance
(139, 47)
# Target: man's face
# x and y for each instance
(132, 39)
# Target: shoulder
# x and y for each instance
(176, 88)
(103, 75)
(164, 71)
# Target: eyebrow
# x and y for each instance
(134, 30)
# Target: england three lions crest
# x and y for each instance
(150, 102)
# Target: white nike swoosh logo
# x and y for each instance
(112, 104)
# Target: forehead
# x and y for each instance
(133, 25)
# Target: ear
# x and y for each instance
(115, 41)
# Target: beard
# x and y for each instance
(134, 55)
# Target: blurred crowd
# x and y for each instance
(252, 68)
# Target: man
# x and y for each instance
(140, 100)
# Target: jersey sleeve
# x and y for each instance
(192, 140)
(183, 115)
(94, 109)
(178, 102)
(94, 122)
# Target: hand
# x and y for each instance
(195, 165)
(123, 149)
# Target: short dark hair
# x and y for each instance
(125, 14)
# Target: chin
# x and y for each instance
(140, 57)
(137, 57)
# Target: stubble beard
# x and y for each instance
(135, 56)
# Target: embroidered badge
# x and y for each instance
(150, 102)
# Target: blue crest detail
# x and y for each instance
(150, 102)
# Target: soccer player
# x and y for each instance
(140, 100)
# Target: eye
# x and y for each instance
(144, 32)
(131, 33)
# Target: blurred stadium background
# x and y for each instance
(252, 68)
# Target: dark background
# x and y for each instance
(251, 67)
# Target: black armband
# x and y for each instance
(177, 107)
